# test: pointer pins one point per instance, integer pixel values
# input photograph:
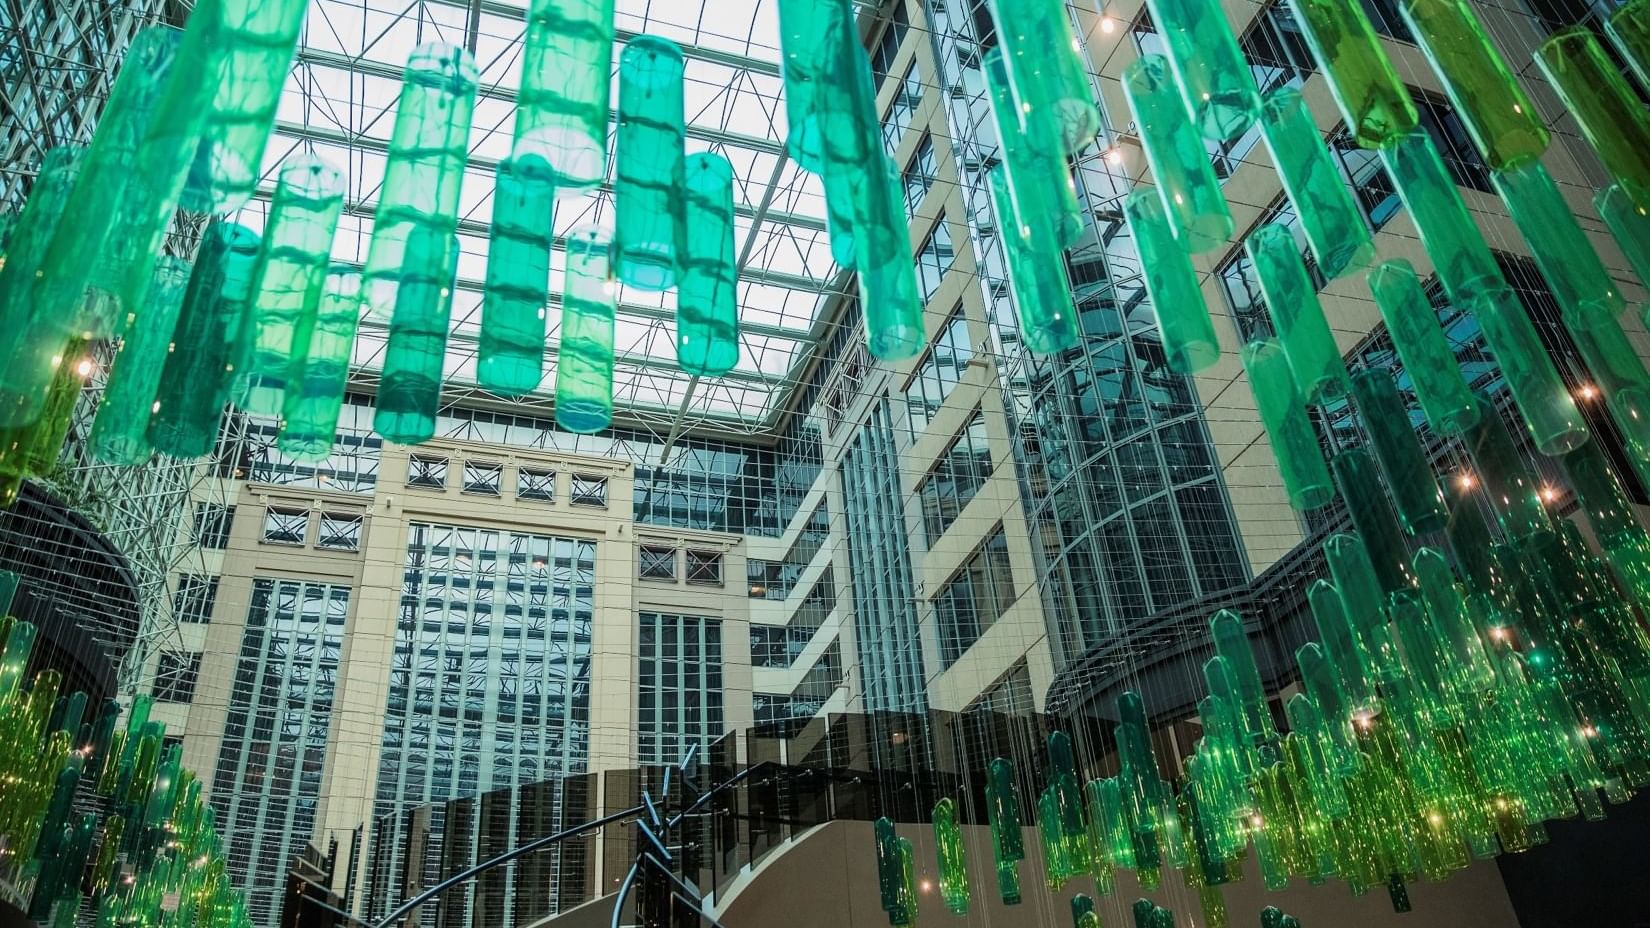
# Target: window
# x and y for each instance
(776, 579)
(589, 491)
(903, 111)
(938, 373)
(934, 258)
(919, 174)
(1275, 49)
(1371, 187)
(1454, 144)
(285, 526)
(804, 702)
(1383, 15)
(679, 683)
(959, 474)
(974, 598)
(484, 478)
(212, 523)
(424, 471)
(656, 563)
(339, 531)
(704, 567)
(535, 484)
(195, 597)
(1242, 286)
(778, 645)
(887, 47)
(176, 676)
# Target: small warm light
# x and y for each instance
(1587, 391)
(897, 737)
(1108, 25)
(1588, 731)
(1256, 821)
(610, 286)
(1178, 199)
(1205, 98)
(1435, 819)
(84, 368)
(1465, 481)
(1114, 156)
(927, 886)
(1499, 634)
(1549, 494)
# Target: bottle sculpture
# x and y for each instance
(510, 358)
(649, 167)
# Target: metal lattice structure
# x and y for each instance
(339, 103)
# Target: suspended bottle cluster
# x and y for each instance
(154, 839)
(1452, 704)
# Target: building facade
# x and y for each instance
(509, 604)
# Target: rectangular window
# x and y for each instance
(980, 592)
(175, 678)
(589, 491)
(938, 373)
(483, 478)
(195, 597)
(535, 484)
(679, 685)
(1277, 52)
(339, 531)
(212, 524)
(426, 471)
(656, 563)
(888, 43)
(903, 111)
(1383, 15)
(958, 475)
(1449, 135)
(934, 258)
(285, 526)
(776, 579)
(704, 567)
(919, 174)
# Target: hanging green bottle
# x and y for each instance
(1473, 281)
(1183, 322)
(120, 432)
(804, 30)
(888, 868)
(1428, 360)
(1042, 294)
(1288, 430)
(1468, 664)
(1629, 225)
(1619, 375)
(562, 106)
(1232, 644)
(707, 296)
(1409, 477)
(207, 343)
(1596, 93)
(1579, 282)
(309, 414)
(172, 135)
(510, 358)
(1003, 813)
(1035, 174)
(1082, 912)
(1490, 101)
(584, 366)
(1360, 486)
(1331, 222)
(1297, 316)
(1629, 30)
(1509, 486)
(255, 45)
(286, 287)
(415, 352)
(1047, 70)
(31, 340)
(648, 164)
(1215, 82)
(1192, 198)
(1341, 648)
(1361, 596)
(82, 272)
(1369, 92)
(953, 864)
(423, 173)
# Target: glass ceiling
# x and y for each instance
(340, 103)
